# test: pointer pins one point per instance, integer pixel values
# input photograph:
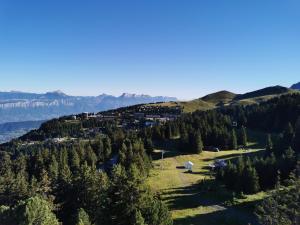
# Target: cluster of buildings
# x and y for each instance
(134, 117)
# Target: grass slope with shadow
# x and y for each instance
(195, 198)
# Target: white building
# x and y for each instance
(189, 165)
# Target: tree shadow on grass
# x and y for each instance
(180, 167)
(215, 198)
(225, 217)
(236, 155)
(204, 194)
(203, 173)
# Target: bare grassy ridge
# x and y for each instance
(214, 100)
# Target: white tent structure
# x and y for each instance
(189, 165)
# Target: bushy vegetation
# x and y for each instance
(282, 207)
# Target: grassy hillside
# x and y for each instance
(221, 96)
(208, 203)
(191, 204)
(276, 90)
(197, 104)
(217, 99)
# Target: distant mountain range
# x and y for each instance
(296, 86)
(20, 106)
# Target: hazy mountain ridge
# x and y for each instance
(22, 106)
(296, 86)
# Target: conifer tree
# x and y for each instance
(138, 218)
(296, 141)
(269, 143)
(287, 138)
(91, 157)
(82, 218)
(197, 143)
(53, 167)
(34, 211)
(243, 136)
(99, 149)
(250, 180)
(233, 144)
(74, 161)
(107, 147)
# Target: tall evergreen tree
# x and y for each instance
(33, 211)
(269, 144)
(233, 144)
(107, 147)
(244, 138)
(197, 143)
(138, 218)
(82, 218)
(296, 141)
(287, 138)
(250, 180)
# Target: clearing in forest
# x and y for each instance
(186, 199)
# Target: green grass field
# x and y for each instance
(211, 101)
(187, 199)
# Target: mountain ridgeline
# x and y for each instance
(19, 106)
(296, 86)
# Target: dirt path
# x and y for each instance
(182, 176)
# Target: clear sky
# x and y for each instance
(182, 48)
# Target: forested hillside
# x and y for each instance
(91, 168)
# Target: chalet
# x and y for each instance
(162, 119)
(56, 140)
(189, 166)
(85, 115)
(152, 117)
(93, 115)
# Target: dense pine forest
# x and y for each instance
(91, 169)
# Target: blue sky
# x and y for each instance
(159, 47)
